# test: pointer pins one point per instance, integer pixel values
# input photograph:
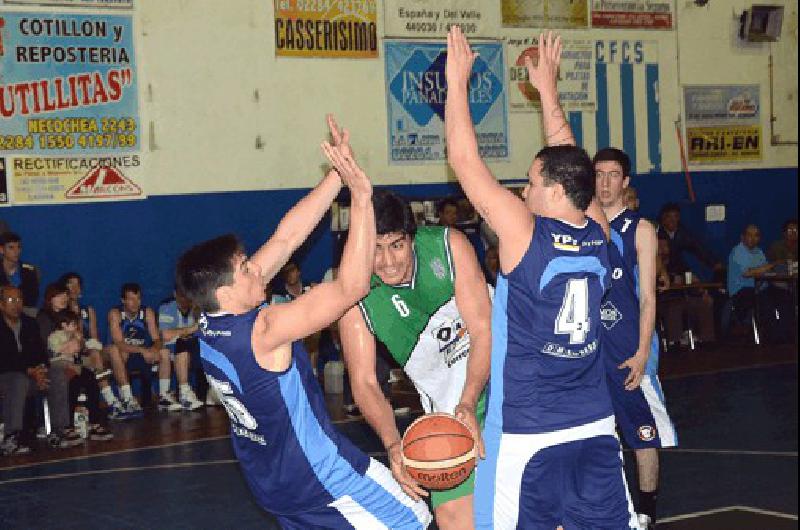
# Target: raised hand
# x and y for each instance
(351, 174)
(341, 137)
(460, 58)
(544, 74)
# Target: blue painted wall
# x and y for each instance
(111, 243)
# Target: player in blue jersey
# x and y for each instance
(298, 466)
(630, 346)
(552, 456)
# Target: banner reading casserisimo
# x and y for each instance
(723, 123)
(68, 89)
(326, 28)
(644, 14)
(417, 91)
(576, 75)
(545, 13)
(433, 18)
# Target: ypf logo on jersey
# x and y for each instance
(647, 433)
(565, 242)
(103, 181)
(609, 315)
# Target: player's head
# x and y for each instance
(751, 236)
(11, 247)
(74, 284)
(670, 216)
(217, 275)
(631, 199)
(291, 273)
(612, 176)
(448, 212)
(396, 227)
(131, 297)
(561, 177)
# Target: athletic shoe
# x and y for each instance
(352, 411)
(189, 401)
(645, 523)
(68, 438)
(167, 403)
(132, 408)
(212, 399)
(402, 411)
(102, 374)
(118, 412)
(99, 433)
(12, 446)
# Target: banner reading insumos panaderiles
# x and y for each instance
(723, 123)
(68, 90)
(433, 18)
(326, 28)
(576, 77)
(416, 91)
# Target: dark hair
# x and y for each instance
(11, 237)
(205, 267)
(571, 167)
(749, 226)
(669, 207)
(67, 276)
(392, 214)
(51, 291)
(129, 287)
(65, 317)
(612, 154)
(447, 201)
(785, 225)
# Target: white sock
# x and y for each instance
(185, 389)
(108, 395)
(125, 392)
(163, 386)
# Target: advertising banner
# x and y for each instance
(417, 91)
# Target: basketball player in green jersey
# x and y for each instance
(429, 304)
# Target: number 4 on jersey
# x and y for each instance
(573, 317)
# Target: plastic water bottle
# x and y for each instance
(81, 417)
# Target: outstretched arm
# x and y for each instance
(299, 221)
(316, 309)
(543, 75)
(503, 211)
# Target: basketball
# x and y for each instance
(438, 451)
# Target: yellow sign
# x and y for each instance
(54, 180)
(545, 13)
(724, 143)
(326, 28)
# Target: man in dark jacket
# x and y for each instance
(22, 363)
(680, 241)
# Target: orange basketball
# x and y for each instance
(438, 451)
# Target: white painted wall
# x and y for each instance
(211, 86)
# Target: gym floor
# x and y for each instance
(735, 408)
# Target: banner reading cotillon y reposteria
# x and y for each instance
(326, 28)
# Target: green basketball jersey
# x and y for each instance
(420, 323)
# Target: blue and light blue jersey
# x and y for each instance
(620, 309)
(293, 458)
(545, 374)
(134, 328)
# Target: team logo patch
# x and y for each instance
(438, 268)
(609, 315)
(647, 433)
(565, 242)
